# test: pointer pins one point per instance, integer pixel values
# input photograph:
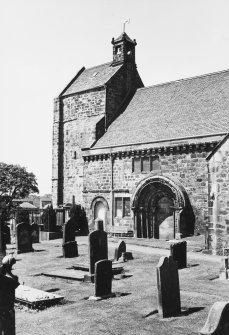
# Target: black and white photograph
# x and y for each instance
(114, 167)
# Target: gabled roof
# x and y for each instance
(123, 37)
(87, 79)
(217, 147)
(185, 108)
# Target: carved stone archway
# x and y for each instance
(162, 209)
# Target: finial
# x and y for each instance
(124, 24)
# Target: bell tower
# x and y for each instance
(123, 50)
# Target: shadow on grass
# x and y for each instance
(52, 290)
(39, 250)
(122, 277)
(190, 310)
(192, 265)
(116, 295)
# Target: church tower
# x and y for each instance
(123, 50)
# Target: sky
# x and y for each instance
(44, 43)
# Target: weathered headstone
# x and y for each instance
(35, 232)
(24, 237)
(223, 272)
(103, 278)
(99, 224)
(168, 287)
(97, 248)
(8, 284)
(70, 247)
(178, 251)
(121, 248)
(218, 320)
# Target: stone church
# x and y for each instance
(135, 156)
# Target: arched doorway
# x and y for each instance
(100, 210)
(162, 209)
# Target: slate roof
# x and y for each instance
(122, 37)
(185, 108)
(91, 78)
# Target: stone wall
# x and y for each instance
(189, 168)
(81, 113)
(218, 229)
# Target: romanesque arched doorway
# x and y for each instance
(162, 209)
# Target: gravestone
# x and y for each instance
(69, 246)
(168, 287)
(223, 272)
(218, 320)
(121, 248)
(178, 251)
(35, 232)
(99, 224)
(8, 284)
(97, 248)
(103, 278)
(23, 237)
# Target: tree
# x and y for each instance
(15, 183)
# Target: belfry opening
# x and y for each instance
(162, 209)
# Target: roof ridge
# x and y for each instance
(94, 67)
(183, 79)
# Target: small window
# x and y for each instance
(146, 164)
(122, 207)
(155, 163)
(118, 207)
(118, 50)
(137, 165)
(126, 206)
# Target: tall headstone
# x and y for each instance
(35, 232)
(98, 249)
(70, 248)
(8, 284)
(218, 320)
(168, 287)
(223, 272)
(178, 251)
(103, 278)
(121, 248)
(24, 237)
(99, 224)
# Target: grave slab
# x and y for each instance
(66, 274)
(34, 298)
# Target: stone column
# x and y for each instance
(177, 231)
(153, 220)
(135, 211)
(147, 222)
(141, 221)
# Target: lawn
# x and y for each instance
(131, 311)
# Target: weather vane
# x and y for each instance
(124, 24)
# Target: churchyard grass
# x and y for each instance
(131, 311)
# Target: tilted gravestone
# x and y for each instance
(70, 248)
(168, 287)
(98, 249)
(23, 237)
(35, 232)
(121, 248)
(178, 251)
(103, 278)
(218, 320)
